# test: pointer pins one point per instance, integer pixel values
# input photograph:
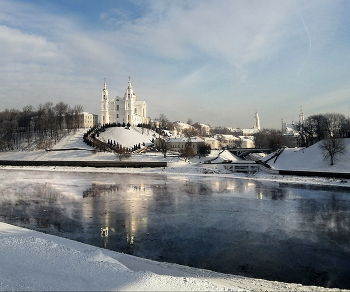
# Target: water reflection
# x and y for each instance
(266, 230)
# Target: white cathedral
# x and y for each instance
(123, 110)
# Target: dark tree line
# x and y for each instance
(44, 125)
(314, 129)
(268, 139)
(328, 129)
(319, 127)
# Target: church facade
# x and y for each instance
(128, 110)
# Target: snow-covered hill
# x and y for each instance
(311, 159)
(128, 137)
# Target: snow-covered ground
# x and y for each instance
(311, 159)
(32, 261)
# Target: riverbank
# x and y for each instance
(193, 169)
(34, 261)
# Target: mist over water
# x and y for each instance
(266, 230)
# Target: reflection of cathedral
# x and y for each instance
(123, 110)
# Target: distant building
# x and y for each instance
(251, 131)
(123, 110)
(232, 141)
(247, 141)
(291, 133)
(87, 120)
(178, 144)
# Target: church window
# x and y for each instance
(117, 107)
(135, 110)
(117, 116)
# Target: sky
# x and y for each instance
(216, 62)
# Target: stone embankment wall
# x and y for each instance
(315, 173)
(83, 163)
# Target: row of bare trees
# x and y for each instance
(318, 127)
(328, 128)
(44, 125)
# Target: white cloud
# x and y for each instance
(17, 46)
(227, 56)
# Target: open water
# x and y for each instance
(272, 231)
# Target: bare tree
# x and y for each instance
(237, 143)
(268, 139)
(335, 125)
(163, 121)
(120, 152)
(220, 130)
(222, 140)
(26, 122)
(60, 111)
(48, 121)
(69, 119)
(162, 146)
(188, 152)
(8, 128)
(190, 132)
(78, 109)
(203, 149)
(332, 148)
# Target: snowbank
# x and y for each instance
(311, 159)
(33, 261)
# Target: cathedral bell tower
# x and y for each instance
(256, 121)
(104, 105)
(129, 98)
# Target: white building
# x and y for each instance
(126, 110)
(87, 120)
(179, 144)
(251, 131)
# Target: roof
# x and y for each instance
(185, 139)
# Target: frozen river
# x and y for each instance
(264, 230)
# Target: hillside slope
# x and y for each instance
(128, 137)
(310, 158)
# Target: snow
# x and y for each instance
(33, 261)
(311, 159)
(128, 137)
